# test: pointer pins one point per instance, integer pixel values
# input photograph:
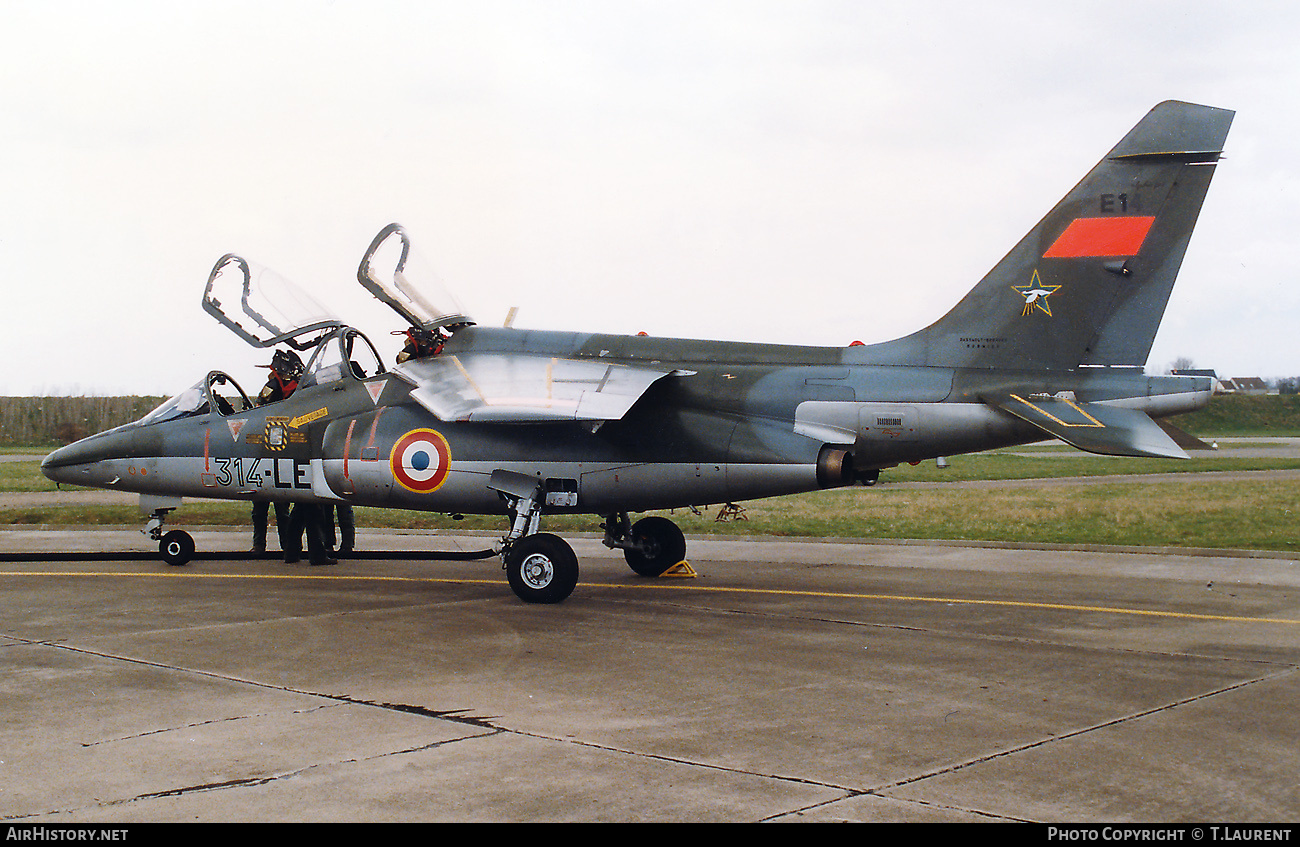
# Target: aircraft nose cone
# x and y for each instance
(76, 462)
(68, 461)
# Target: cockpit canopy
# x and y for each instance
(262, 307)
(216, 390)
(265, 309)
(400, 278)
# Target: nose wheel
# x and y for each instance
(177, 546)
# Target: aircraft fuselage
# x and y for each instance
(735, 421)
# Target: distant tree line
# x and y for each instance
(61, 420)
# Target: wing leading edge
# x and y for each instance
(521, 388)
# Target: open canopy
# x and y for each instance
(262, 307)
(400, 278)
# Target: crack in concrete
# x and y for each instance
(182, 727)
(462, 716)
(265, 780)
(881, 791)
(1021, 748)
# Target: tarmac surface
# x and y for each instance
(787, 681)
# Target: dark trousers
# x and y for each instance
(308, 519)
(347, 526)
(260, 510)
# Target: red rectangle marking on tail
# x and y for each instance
(1101, 237)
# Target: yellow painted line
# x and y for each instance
(680, 586)
(323, 576)
(1024, 604)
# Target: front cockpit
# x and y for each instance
(262, 307)
(268, 312)
(215, 391)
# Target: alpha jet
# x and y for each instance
(525, 424)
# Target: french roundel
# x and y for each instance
(420, 461)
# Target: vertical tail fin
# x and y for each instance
(1088, 285)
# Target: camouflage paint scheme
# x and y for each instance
(1051, 343)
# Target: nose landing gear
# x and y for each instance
(177, 546)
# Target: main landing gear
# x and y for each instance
(651, 545)
(542, 568)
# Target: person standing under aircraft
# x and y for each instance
(347, 528)
(286, 369)
(307, 517)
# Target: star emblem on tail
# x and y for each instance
(1036, 294)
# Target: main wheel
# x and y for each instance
(542, 568)
(660, 546)
(176, 547)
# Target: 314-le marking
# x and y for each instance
(281, 473)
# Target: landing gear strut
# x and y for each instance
(177, 546)
(540, 567)
(651, 545)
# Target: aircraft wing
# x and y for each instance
(523, 388)
(1093, 427)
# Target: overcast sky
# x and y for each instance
(804, 171)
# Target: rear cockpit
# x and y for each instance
(343, 353)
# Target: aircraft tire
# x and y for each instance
(176, 547)
(663, 543)
(542, 568)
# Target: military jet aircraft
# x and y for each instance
(524, 423)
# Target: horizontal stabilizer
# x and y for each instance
(1093, 427)
(1184, 439)
(522, 388)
